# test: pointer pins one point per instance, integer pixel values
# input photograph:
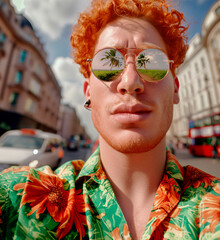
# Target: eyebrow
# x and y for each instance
(144, 46)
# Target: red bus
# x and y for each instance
(204, 134)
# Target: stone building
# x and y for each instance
(69, 123)
(29, 92)
(199, 77)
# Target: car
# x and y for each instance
(73, 142)
(85, 143)
(30, 147)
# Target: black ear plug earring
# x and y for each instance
(87, 104)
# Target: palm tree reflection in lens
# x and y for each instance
(111, 60)
(147, 68)
(152, 64)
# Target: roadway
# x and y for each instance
(209, 165)
(212, 166)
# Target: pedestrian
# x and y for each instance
(215, 147)
(131, 187)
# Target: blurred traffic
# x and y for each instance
(36, 148)
(30, 147)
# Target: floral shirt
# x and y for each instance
(77, 202)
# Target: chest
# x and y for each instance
(109, 220)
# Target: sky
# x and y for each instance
(53, 21)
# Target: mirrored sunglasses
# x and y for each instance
(108, 64)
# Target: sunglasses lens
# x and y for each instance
(152, 65)
(107, 64)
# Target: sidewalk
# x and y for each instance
(183, 154)
(209, 165)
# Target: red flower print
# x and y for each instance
(195, 177)
(158, 233)
(63, 206)
(210, 211)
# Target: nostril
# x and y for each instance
(123, 91)
(138, 90)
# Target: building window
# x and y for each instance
(206, 78)
(35, 87)
(30, 105)
(203, 62)
(23, 56)
(214, 44)
(209, 98)
(189, 75)
(185, 79)
(218, 63)
(217, 11)
(14, 99)
(192, 89)
(196, 67)
(195, 105)
(202, 101)
(38, 69)
(199, 83)
(2, 39)
(2, 4)
(18, 77)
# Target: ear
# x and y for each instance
(176, 98)
(86, 88)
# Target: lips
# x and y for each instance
(131, 113)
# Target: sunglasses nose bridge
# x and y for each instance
(130, 58)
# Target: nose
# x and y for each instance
(130, 82)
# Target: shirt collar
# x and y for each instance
(173, 168)
(93, 168)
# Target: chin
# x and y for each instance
(134, 144)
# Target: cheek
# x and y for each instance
(99, 106)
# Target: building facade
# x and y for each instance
(199, 77)
(29, 92)
(69, 123)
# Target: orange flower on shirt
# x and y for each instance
(16, 169)
(77, 164)
(63, 206)
(167, 195)
(210, 211)
(196, 178)
(116, 234)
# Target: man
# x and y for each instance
(130, 188)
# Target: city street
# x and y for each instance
(81, 153)
(209, 165)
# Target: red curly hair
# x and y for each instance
(168, 21)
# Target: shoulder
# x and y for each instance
(14, 175)
(14, 178)
(200, 182)
(202, 196)
(37, 194)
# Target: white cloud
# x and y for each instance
(71, 80)
(18, 4)
(200, 2)
(51, 16)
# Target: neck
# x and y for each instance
(134, 174)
